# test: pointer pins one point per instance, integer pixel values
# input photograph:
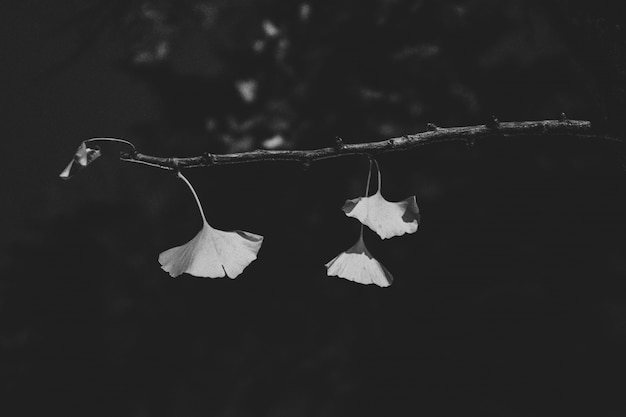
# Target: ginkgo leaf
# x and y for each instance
(386, 218)
(357, 264)
(212, 253)
(84, 156)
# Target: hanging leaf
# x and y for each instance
(84, 156)
(386, 218)
(357, 264)
(211, 253)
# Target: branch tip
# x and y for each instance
(562, 117)
(432, 127)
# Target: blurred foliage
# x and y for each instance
(232, 75)
(509, 301)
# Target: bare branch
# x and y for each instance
(561, 127)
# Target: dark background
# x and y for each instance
(510, 300)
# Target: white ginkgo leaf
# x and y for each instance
(358, 265)
(84, 156)
(212, 253)
(386, 218)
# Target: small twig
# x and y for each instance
(561, 127)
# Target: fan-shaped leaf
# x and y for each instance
(212, 253)
(357, 264)
(386, 218)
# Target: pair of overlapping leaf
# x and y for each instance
(387, 219)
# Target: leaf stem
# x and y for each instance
(367, 189)
(182, 177)
(378, 175)
(123, 141)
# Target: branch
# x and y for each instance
(562, 127)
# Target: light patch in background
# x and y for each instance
(275, 142)
(271, 31)
(247, 90)
(305, 11)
